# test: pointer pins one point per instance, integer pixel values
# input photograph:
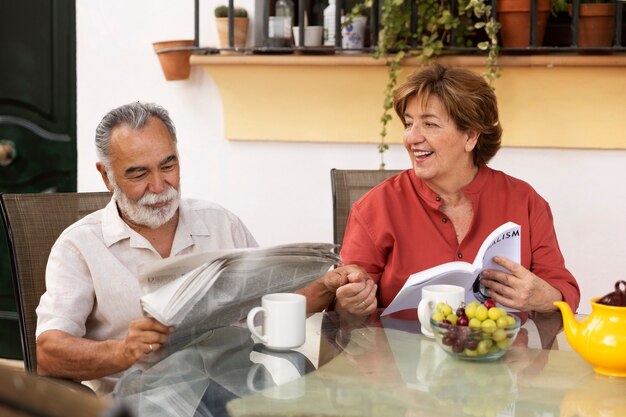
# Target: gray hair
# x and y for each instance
(136, 115)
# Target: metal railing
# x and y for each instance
(374, 26)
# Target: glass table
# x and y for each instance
(368, 367)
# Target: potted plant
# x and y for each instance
(596, 23)
(174, 58)
(437, 23)
(240, 20)
(514, 18)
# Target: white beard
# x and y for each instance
(140, 212)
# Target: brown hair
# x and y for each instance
(467, 98)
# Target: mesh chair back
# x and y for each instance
(348, 186)
(32, 223)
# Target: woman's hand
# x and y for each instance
(357, 296)
(519, 289)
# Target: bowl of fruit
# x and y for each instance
(475, 332)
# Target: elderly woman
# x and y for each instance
(443, 208)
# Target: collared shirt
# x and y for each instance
(397, 229)
(92, 289)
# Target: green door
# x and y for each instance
(37, 118)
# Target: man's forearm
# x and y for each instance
(318, 296)
(63, 355)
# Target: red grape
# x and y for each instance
(470, 344)
(457, 347)
(462, 321)
(448, 340)
(445, 323)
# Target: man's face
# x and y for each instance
(144, 174)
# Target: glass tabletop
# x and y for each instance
(368, 367)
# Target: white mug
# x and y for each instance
(453, 295)
(284, 320)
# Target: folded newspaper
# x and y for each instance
(219, 288)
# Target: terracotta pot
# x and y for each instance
(514, 18)
(241, 31)
(596, 24)
(174, 58)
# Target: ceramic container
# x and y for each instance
(600, 339)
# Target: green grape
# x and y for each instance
(469, 352)
(499, 335)
(470, 310)
(444, 309)
(481, 313)
(503, 344)
(452, 318)
(475, 323)
(510, 319)
(495, 313)
(484, 346)
(494, 349)
(488, 326)
(438, 316)
(502, 321)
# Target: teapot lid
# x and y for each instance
(616, 298)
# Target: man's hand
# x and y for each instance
(321, 292)
(358, 295)
(63, 355)
(338, 277)
(520, 288)
(145, 335)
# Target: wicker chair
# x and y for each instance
(348, 186)
(32, 223)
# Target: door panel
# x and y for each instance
(37, 117)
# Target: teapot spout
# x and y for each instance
(570, 324)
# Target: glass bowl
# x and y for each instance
(475, 343)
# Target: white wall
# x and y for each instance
(282, 190)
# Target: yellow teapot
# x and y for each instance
(601, 338)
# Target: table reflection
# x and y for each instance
(369, 367)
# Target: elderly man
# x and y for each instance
(90, 326)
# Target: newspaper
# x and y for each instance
(219, 288)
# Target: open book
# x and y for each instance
(504, 241)
(218, 288)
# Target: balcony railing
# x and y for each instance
(374, 27)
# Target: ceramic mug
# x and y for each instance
(284, 321)
(453, 295)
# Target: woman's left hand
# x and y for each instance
(519, 289)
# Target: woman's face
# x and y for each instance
(438, 150)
